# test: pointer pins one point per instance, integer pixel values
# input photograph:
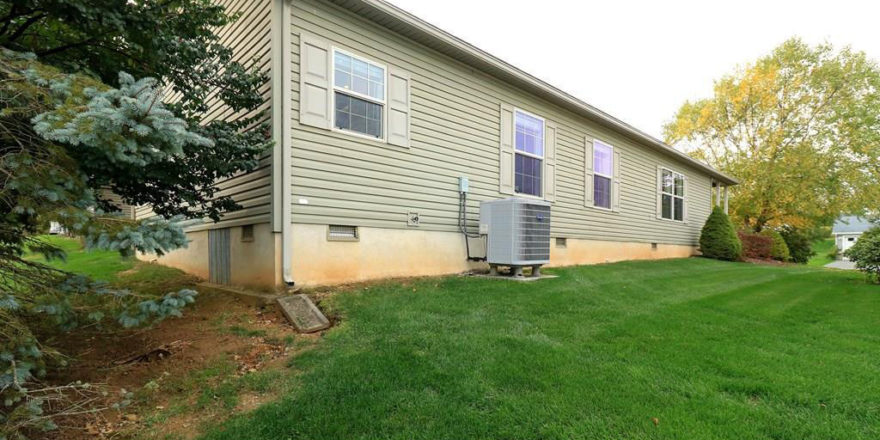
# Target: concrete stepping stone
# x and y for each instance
(303, 314)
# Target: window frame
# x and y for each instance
(542, 157)
(609, 177)
(334, 88)
(672, 194)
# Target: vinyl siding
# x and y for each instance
(250, 38)
(455, 131)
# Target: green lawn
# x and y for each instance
(99, 265)
(822, 248)
(712, 350)
(121, 272)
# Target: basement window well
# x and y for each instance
(342, 233)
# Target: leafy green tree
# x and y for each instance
(718, 238)
(799, 127)
(175, 42)
(799, 244)
(107, 95)
(866, 254)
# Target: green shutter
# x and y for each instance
(506, 153)
(398, 107)
(315, 88)
(658, 189)
(615, 185)
(550, 161)
(588, 171)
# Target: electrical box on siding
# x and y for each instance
(463, 184)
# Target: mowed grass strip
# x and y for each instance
(97, 264)
(677, 349)
(119, 272)
(822, 248)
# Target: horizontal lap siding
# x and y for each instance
(455, 132)
(250, 39)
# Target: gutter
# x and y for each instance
(494, 65)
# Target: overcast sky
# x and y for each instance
(640, 60)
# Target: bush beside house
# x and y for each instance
(799, 245)
(718, 239)
(756, 246)
(866, 254)
(778, 248)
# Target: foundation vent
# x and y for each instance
(342, 233)
(518, 231)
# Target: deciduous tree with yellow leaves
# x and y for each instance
(800, 128)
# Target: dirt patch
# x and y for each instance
(221, 357)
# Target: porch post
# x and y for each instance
(726, 200)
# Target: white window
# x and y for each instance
(672, 195)
(603, 174)
(529, 160)
(358, 95)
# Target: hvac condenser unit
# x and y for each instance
(518, 232)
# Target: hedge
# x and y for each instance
(756, 246)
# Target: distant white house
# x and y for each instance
(55, 228)
(847, 230)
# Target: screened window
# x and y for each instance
(359, 95)
(672, 195)
(603, 172)
(529, 161)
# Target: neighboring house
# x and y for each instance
(55, 228)
(377, 115)
(847, 230)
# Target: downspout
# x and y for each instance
(286, 148)
(281, 133)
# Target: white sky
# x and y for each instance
(640, 60)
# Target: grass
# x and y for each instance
(676, 349)
(822, 248)
(238, 330)
(109, 266)
(213, 390)
(99, 265)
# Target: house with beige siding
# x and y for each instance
(381, 119)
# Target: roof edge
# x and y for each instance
(538, 85)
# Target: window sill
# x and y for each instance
(364, 139)
(529, 196)
(680, 222)
(601, 209)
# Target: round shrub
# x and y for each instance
(799, 245)
(866, 254)
(718, 239)
(778, 248)
(756, 246)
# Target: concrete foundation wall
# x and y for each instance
(192, 259)
(385, 253)
(252, 263)
(579, 251)
(378, 253)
